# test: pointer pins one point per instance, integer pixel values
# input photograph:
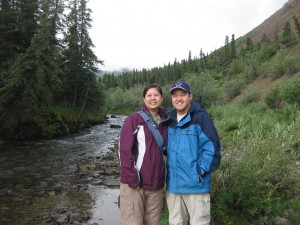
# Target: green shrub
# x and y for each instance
(251, 97)
(50, 130)
(250, 73)
(285, 93)
(64, 113)
(236, 67)
(291, 92)
(274, 98)
(251, 66)
(205, 89)
(255, 181)
(233, 88)
(117, 101)
(266, 52)
(284, 64)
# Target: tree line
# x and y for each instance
(215, 78)
(217, 60)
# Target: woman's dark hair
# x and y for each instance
(149, 86)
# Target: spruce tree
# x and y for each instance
(225, 57)
(18, 26)
(80, 62)
(297, 24)
(249, 45)
(287, 34)
(33, 79)
(232, 47)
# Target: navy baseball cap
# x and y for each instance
(181, 85)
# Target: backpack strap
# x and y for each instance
(158, 138)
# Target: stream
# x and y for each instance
(58, 181)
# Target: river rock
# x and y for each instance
(58, 187)
(113, 182)
(110, 171)
(61, 210)
(97, 174)
(63, 219)
(115, 126)
(281, 221)
(83, 187)
(97, 182)
(75, 217)
(51, 193)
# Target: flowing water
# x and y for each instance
(40, 180)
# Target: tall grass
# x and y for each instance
(257, 179)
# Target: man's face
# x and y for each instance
(181, 101)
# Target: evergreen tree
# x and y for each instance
(190, 62)
(34, 78)
(225, 52)
(287, 35)
(177, 73)
(249, 45)
(264, 39)
(7, 30)
(18, 25)
(232, 47)
(80, 62)
(297, 25)
(27, 25)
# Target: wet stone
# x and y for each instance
(75, 217)
(97, 182)
(113, 182)
(62, 220)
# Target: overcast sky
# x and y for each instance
(151, 33)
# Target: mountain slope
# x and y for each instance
(274, 24)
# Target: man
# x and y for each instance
(193, 153)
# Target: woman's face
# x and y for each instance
(153, 99)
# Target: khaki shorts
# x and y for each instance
(193, 209)
(140, 207)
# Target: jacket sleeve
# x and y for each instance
(210, 147)
(126, 149)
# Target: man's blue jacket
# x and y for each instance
(193, 151)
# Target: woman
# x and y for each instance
(142, 164)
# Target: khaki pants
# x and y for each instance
(193, 209)
(140, 207)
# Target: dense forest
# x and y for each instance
(47, 68)
(50, 86)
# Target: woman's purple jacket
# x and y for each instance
(141, 160)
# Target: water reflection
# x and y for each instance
(105, 210)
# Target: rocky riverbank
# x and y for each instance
(102, 170)
(89, 171)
